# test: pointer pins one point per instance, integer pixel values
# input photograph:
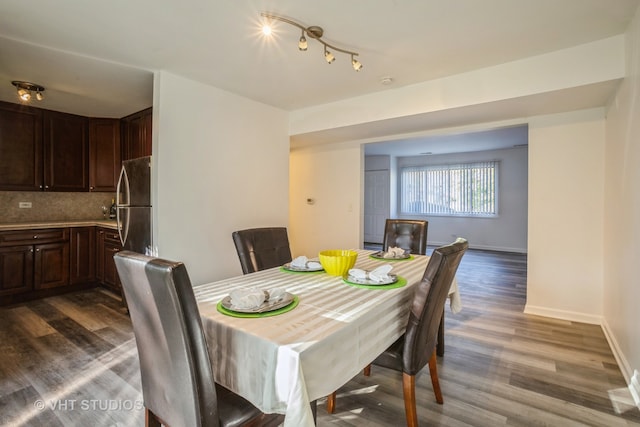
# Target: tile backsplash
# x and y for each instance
(52, 206)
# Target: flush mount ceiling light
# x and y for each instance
(315, 33)
(25, 90)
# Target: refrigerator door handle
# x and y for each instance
(123, 225)
(122, 190)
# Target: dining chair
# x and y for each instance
(416, 348)
(262, 248)
(176, 371)
(408, 234)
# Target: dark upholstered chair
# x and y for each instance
(262, 248)
(417, 347)
(407, 234)
(176, 372)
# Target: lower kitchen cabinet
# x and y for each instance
(108, 244)
(16, 269)
(83, 255)
(33, 260)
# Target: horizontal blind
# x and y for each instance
(455, 189)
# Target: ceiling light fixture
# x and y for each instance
(316, 33)
(25, 89)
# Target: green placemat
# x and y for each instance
(300, 272)
(285, 309)
(392, 259)
(400, 283)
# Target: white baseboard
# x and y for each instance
(563, 314)
(632, 378)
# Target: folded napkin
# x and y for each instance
(254, 298)
(247, 298)
(302, 262)
(379, 274)
(394, 252)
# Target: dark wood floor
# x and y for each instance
(71, 361)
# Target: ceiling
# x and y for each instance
(98, 58)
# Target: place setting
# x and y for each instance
(392, 254)
(254, 302)
(378, 278)
(302, 264)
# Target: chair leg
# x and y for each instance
(150, 419)
(367, 370)
(433, 371)
(331, 403)
(409, 391)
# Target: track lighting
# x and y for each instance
(25, 89)
(313, 32)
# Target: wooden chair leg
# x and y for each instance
(409, 391)
(150, 419)
(367, 370)
(331, 403)
(433, 371)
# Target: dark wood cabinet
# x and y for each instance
(108, 244)
(104, 154)
(34, 260)
(82, 261)
(51, 265)
(136, 134)
(66, 152)
(16, 269)
(20, 147)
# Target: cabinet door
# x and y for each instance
(83, 255)
(104, 154)
(20, 147)
(111, 278)
(136, 131)
(16, 269)
(51, 265)
(100, 235)
(66, 152)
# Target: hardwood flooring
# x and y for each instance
(71, 361)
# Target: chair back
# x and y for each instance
(176, 373)
(407, 234)
(421, 335)
(262, 248)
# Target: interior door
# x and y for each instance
(376, 204)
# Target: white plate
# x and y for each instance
(290, 267)
(356, 281)
(380, 255)
(265, 307)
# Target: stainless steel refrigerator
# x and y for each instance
(133, 205)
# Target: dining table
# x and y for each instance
(281, 361)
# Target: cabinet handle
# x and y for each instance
(41, 186)
(31, 250)
(46, 186)
(35, 236)
(37, 250)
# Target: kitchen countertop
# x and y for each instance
(58, 224)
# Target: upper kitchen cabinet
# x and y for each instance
(66, 151)
(20, 147)
(136, 134)
(104, 154)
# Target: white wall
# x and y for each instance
(221, 163)
(566, 209)
(506, 232)
(622, 215)
(332, 176)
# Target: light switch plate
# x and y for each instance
(23, 205)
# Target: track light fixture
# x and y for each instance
(316, 33)
(25, 89)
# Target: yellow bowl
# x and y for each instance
(337, 262)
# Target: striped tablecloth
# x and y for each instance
(282, 363)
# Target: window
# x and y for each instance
(468, 189)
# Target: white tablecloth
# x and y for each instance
(282, 363)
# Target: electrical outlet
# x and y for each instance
(23, 205)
